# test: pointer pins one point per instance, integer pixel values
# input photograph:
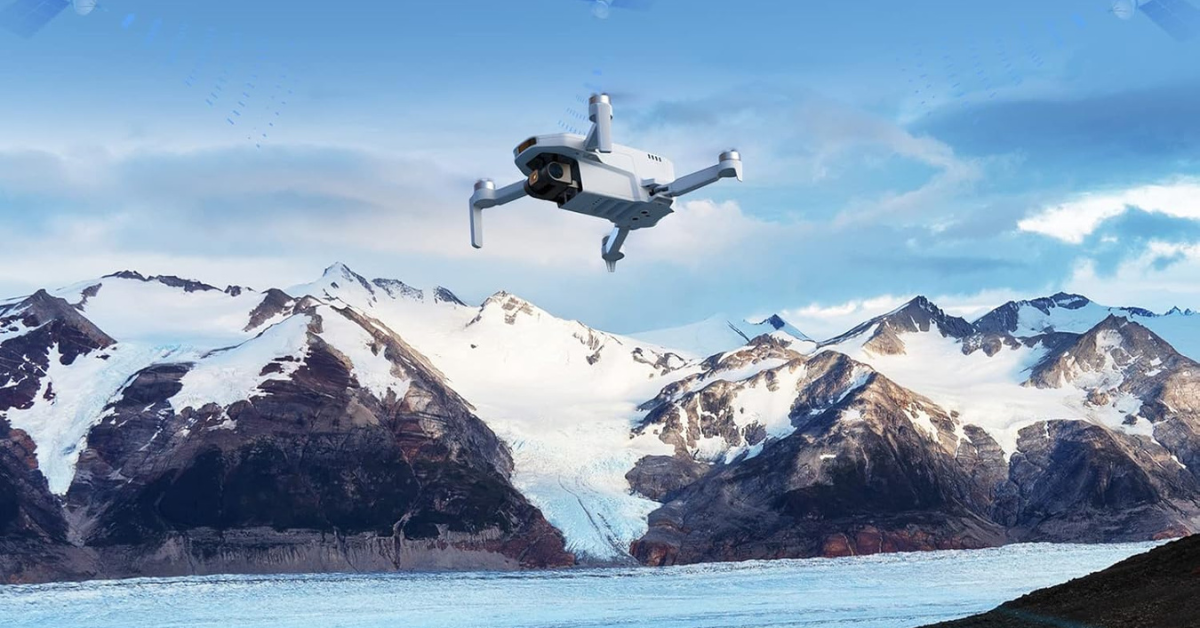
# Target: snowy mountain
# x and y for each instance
(1058, 436)
(160, 425)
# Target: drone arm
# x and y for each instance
(486, 195)
(600, 112)
(729, 166)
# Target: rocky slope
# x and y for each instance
(780, 454)
(1160, 588)
(860, 466)
(324, 443)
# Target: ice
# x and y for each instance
(882, 591)
(72, 399)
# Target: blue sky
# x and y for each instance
(972, 152)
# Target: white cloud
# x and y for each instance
(1145, 281)
(1073, 220)
(822, 321)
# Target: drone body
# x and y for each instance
(631, 188)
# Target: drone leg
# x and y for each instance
(730, 166)
(610, 247)
(486, 195)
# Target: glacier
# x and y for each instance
(880, 591)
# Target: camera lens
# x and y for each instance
(555, 170)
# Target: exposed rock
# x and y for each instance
(274, 303)
(188, 285)
(51, 326)
(918, 314)
(856, 476)
(1160, 588)
(398, 289)
(442, 295)
(660, 477)
(312, 472)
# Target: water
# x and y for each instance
(890, 591)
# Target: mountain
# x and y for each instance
(561, 394)
(883, 334)
(1073, 313)
(1159, 588)
(851, 464)
(154, 425)
(720, 333)
(909, 432)
(324, 441)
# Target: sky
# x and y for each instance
(973, 152)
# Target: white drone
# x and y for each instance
(590, 175)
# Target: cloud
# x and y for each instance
(822, 321)
(802, 138)
(141, 209)
(1162, 276)
(1073, 220)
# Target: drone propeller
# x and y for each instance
(601, 8)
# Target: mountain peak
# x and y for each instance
(339, 270)
(173, 281)
(509, 305)
(444, 295)
(779, 324)
(1069, 300)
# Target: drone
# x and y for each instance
(630, 188)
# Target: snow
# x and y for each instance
(370, 366)
(81, 391)
(881, 591)
(339, 283)
(924, 422)
(701, 339)
(567, 421)
(230, 375)
(988, 391)
(154, 313)
(755, 403)
(720, 333)
(850, 415)
(568, 426)
(1181, 329)
(13, 330)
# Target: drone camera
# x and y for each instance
(554, 181)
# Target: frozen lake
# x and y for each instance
(892, 591)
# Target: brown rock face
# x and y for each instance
(873, 467)
(856, 477)
(311, 473)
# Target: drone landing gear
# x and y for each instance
(610, 247)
